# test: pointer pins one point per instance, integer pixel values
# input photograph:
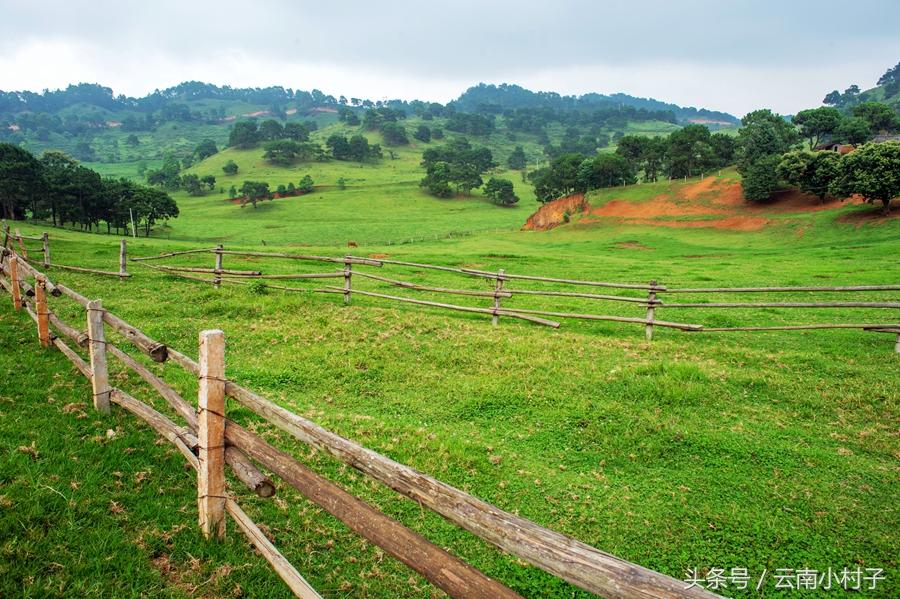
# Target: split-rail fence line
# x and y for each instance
(209, 441)
(651, 303)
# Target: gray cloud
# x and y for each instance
(733, 55)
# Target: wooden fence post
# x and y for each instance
(211, 434)
(5, 233)
(97, 341)
(217, 281)
(22, 244)
(498, 287)
(43, 312)
(46, 239)
(897, 345)
(348, 275)
(123, 255)
(14, 279)
(651, 302)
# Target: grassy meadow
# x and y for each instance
(756, 450)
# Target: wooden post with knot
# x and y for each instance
(651, 304)
(211, 434)
(43, 312)
(348, 275)
(14, 281)
(498, 287)
(97, 341)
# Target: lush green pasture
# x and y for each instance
(757, 450)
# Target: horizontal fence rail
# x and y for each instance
(504, 290)
(210, 441)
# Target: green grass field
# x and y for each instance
(757, 450)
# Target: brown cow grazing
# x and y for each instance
(352, 244)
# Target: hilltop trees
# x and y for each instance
(357, 148)
(230, 168)
(284, 152)
(423, 133)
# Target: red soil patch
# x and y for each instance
(658, 206)
(379, 256)
(713, 197)
(554, 213)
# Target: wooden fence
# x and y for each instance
(503, 286)
(15, 239)
(209, 441)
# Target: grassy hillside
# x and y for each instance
(769, 450)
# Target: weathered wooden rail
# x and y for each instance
(9, 238)
(210, 441)
(503, 289)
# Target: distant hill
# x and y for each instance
(498, 98)
(123, 135)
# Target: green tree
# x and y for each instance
(209, 181)
(880, 117)
(817, 122)
(244, 134)
(230, 167)
(462, 166)
(517, 160)
(254, 191)
(763, 139)
(20, 179)
(423, 133)
(559, 179)
(812, 172)
(205, 149)
(306, 185)
(339, 146)
(191, 184)
(437, 179)
(270, 130)
(297, 131)
(394, 134)
(759, 178)
(604, 170)
(891, 81)
(501, 191)
(854, 130)
(872, 171)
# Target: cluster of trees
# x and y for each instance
(252, 192)
(169, 177)
(857, 125)
(57, 187)
(456, 164)
(425, 134)
(387, 121)
(767, 154)
(571, 173)
(871, 171)
(500, 99)
(689, 151)
(357, 148)
(246, 134)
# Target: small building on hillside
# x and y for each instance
(833, 146)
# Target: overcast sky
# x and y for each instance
(732, 55)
